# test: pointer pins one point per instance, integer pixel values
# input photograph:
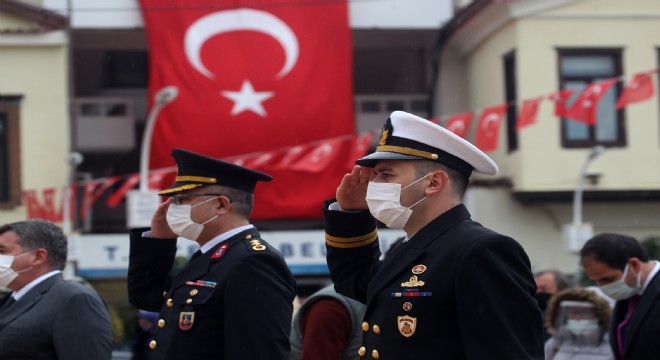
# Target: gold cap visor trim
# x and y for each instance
(202, 179)
(407, 151)
(179, 188)
(352, 242)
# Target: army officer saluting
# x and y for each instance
(233, 299)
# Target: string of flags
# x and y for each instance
(569, 104)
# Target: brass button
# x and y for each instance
(193, 292)
(165, 294)
(248, 236)
(189, 301)
(152, 344)
(365, 326)
(376, 329)
(170, 303)
(362, 351)
(374, 354)
(161, 323)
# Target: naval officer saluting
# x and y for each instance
(454, 289)
(233, 300)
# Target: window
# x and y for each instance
(125, 69)
(10, 180)
(510, 91)
(579, 68)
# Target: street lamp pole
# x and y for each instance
(163, 97)
(577, 195)
(577, 232)
(141, 204)
(73, 160)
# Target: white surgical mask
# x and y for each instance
(619, 290)
(582, 326)
(384, 202)
(7, 274)
(179, 220)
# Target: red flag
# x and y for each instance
(584, 107)
(460, 124)
(252, 75)
(34, 210)
(560, 99)
(303, 180)
(640, 88)
(117, 197)
(528, 112)
(488, 129)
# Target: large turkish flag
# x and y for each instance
(252, 75)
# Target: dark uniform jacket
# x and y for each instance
(233, 302)
(455, 290)
(642, 334)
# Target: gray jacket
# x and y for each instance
(56, 319)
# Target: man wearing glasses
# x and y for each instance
(233, 300)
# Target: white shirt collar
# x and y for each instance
(222, 237)
(17, 295)
(649, 278)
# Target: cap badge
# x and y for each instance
(418, 269)
(383, 137)
(413, 282)
(186, 320)
(407, 325)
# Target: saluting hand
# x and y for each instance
(352, 190)
(159, 227)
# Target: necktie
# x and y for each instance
(621, 328)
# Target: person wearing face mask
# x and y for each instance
(234, 298)
(452, 289)
(623, 271)
(45, 316)
(578, 320)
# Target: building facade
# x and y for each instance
(495, 52)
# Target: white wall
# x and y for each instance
(386, 14)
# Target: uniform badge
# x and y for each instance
(383, 137)
(256, 245)
(407, 325)
(186, 320)
(221, 251)
(418, 269)
(407, 306)
(413, 282)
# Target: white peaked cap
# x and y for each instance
(409, 137)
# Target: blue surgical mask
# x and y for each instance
(619, 290)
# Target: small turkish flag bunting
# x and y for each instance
(460, 124)
(584, 108)
(528, 112)
(488, 128)
(640, 88)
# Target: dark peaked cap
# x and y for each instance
(195, 170)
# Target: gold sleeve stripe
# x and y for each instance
(351, 242)
(202, 179)
(407, 151)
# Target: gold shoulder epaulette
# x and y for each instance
(256, 245)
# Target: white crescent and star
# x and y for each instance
(490, 118)
(246, 99)
(457, 127)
